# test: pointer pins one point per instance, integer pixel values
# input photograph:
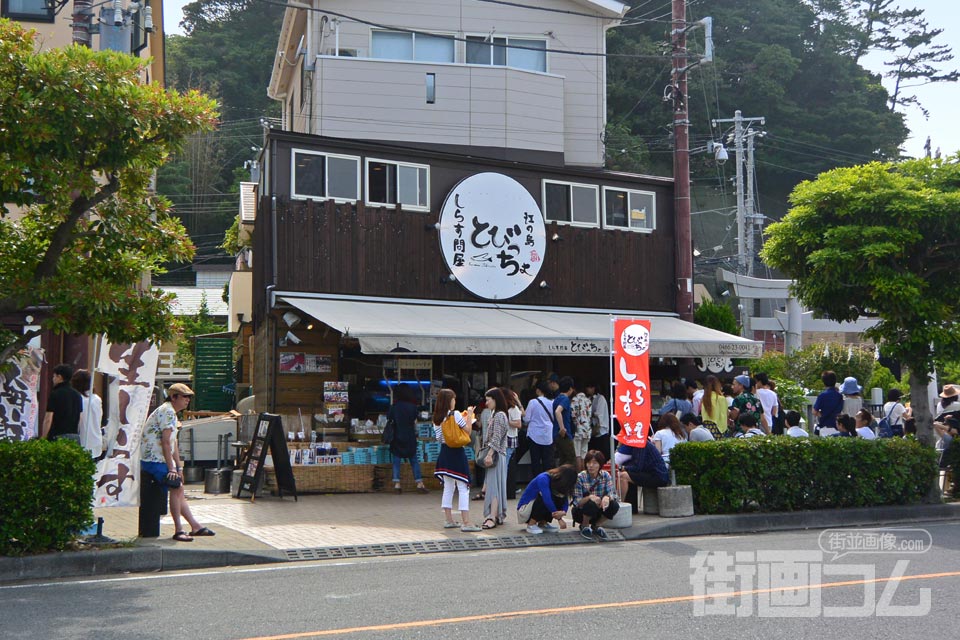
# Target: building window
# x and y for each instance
(400, 45)
(569, 202)
(391, 183)
(26, 10)
(626, 209)
(325, 176)
(502, 52)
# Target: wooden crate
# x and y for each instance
(315, 478)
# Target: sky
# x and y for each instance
(940, 99)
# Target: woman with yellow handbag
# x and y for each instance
(453, 431)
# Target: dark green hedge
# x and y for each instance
(46, 492)
(788, 474)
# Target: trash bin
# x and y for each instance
(153, 504)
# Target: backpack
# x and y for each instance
(887, 430)
(453, 436)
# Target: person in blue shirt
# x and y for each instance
(828, 406)
(563, 429)
(547, 498)
(642, 467)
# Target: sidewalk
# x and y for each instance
(364, 525)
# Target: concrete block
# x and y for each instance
(675, 502)
(651, 501)
(623, 519)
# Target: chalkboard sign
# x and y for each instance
(267, 434)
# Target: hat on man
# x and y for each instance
(744, 381)
(179, 389)
(850, 387)
(950, 390)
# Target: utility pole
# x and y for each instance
(746, 217)
(683, 260)
(82, 21)
(749, 211)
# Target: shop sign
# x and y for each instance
(19, 407)
(135, 368)
(492, 236)
(631, 363)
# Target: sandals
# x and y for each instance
(489, 523)
(422, 489)
(479, 496)
(181, 536)
(451, 525)
(202, 531)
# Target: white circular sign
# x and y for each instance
(492, 235)
(635, 340)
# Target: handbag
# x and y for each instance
(453, 436)
(482, 457)
(523, 513)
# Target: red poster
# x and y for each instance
(631, 363)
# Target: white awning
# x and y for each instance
(392, 327)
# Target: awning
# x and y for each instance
(398, 327)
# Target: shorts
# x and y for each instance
(581, 444)
(157, 470)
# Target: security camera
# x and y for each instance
(291, 338)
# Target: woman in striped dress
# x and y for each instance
(495, 502)
(453, 470)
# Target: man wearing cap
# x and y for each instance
(744, 402)
(160, 458)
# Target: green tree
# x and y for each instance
(191, 326)
(881, 240)
(907, 40)
(716, 316)
(80, 138)
(807, 364)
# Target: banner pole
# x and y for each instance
(610, 406)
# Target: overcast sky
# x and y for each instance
(940, 99)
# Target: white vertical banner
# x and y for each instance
(19, 407)
(135, 368)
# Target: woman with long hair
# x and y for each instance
(713, 407)
(495, 441)
(547, 498)
(453, 470)
(669, 433)
(404, 442)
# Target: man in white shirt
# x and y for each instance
(768, 400)
(697, 397)
(794, 429)
(696, 432)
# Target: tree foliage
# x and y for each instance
(716, 316)
(80, 138)
(228, 53)
(881, 240)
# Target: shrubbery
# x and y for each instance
(787, 474)
(46, 491)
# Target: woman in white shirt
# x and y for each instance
(895, 411)
(669, 433)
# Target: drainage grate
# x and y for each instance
(440, 546)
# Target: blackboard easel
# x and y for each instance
(268, 434)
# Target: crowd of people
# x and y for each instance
(567, 432)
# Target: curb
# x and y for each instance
(740, 523)
(150, 559)
(144, 559)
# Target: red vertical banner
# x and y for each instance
(631, 364)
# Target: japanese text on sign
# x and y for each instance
(631, 358)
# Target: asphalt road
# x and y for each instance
(659, 589)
